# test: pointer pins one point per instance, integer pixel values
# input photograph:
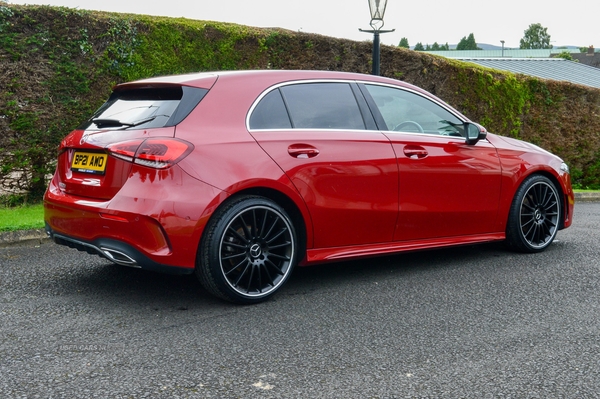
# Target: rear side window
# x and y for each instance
(270, 113)
(145, 108)
(309, 106)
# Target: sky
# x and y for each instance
(572, 23)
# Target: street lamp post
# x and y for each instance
(502, 41)
(377, 9)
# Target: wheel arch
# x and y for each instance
(559, 188)
(292, 210)
(554, 178)
(289, 205)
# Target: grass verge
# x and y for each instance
(28, 217)
(22, 218)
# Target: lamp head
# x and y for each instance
(377, 9)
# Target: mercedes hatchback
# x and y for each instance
(241, 176)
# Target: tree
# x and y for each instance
(536, 37)
(434, 47)
(468, 43)
(566, 55)
(404, 43)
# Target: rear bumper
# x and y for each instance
(152, 222)
(117, 252)
(88, 222)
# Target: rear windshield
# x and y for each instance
(145, 108)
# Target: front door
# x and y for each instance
(447, 187)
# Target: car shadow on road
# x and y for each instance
(122, 284)
(407, 263)
(106, 281)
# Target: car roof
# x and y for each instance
(266, 78)
(204, 79)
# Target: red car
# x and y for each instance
(240, 176)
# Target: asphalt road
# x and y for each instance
(470, 322)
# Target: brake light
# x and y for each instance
(62, 147)
(158, 153)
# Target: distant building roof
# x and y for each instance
(545, 68)
(591, 59)
(506, 53)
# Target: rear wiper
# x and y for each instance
(100, 122)
(110, 123)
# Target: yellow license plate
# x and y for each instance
(89, 162)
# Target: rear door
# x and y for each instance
(347, 175)
(447, 187)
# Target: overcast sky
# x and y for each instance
(573, 22)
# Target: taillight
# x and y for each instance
(158, 153)
(62, 147)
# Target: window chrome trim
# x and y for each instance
(291, 83)
(350, 82)
(394, 132)
(434, 100)
(317, 130)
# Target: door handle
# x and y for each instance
(302, 151)
(415, 152)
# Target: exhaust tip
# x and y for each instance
(119, 257)
(48, 230)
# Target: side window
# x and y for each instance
(270, 113)
(322, 106)
(409, 112)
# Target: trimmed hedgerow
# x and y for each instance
(57, 65)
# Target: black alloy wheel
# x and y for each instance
(534, 216)
(249, 250)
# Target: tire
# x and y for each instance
(248, 250)
(534, 215)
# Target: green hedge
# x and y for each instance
(57, 65)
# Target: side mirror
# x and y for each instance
(474, 133)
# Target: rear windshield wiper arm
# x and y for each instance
(110, 123)
(100, 122)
